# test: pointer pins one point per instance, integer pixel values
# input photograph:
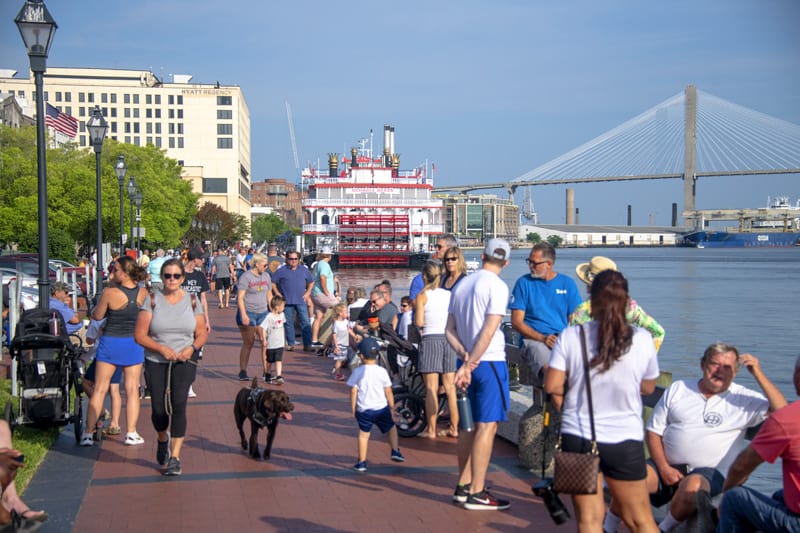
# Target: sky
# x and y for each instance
(486, 89)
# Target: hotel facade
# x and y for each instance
(205, 127)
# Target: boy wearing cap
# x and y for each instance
(372, 402)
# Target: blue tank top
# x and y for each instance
(122, 322)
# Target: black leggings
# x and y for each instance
(182, 377)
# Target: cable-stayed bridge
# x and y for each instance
(692, 135)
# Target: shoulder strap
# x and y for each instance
(586, 378)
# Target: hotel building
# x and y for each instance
(205, 127)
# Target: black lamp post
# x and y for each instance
(131, 187)
(98, 127)
(137, 201)
(37, 28)
(121, 169)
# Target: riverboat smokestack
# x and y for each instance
(395, 165)
(333, 165)
(577, 215)
(387, 145)
(570, 207)
(354, 154)
(391, 140)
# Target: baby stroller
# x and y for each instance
(48, 367)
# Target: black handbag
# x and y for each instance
(576, 473)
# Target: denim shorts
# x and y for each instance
(255, 318)
(380, 417)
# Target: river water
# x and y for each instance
(744, 296)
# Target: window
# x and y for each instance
(135, 98)
(127, 112)
(171, 113)
(171, 128)
(90, 97)
(180, 113)
(113, 111)
(113, 127)
(67, 97)
(172, 142)
(180, 129)
(148, 113)
(81, 111)
(68, 110)
(148, 99)
(158, 113)
(127, 128)
(158, 142)
(224, 114)
(158, 99)
(104, 111)
(104, 98)
(180, 142)
(215, 185)
(224, 129)
(171, 99)
(137, 140)
(158, 128)
(180, 99)
(224, 142)
(149, 139)
(128, 139)
(113, 98)
(83, 140)
(136, 128)
(224, 100)
(149, 127)
(135, 112)
(58, 96)
(81, 97)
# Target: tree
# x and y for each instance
(554, 241)
(267, 228)
(534, 238)
(168, 201)
(209, 215)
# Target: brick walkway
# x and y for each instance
(308, 485)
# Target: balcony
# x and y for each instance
(371, 203)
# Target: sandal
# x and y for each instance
(110, 430)
(447, 433)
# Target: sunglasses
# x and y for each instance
(448, 259)
(172, 276)
(292, 258)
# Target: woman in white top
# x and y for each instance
(436, 357)
(622, 367)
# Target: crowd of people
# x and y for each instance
(154, 316)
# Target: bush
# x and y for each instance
(60, 244)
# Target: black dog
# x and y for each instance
(264, 408)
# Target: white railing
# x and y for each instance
(334, 228)
(320, 228)
(389, 202)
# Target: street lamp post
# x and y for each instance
(131, 192)
(98, 127)
(137, 201)
(37, 28)
(121, 169)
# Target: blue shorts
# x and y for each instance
(488, 391)
(664, 493)
(380, 417)
(119, 351)
(116, 377)
(255, 318)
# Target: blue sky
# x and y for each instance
(488, 90)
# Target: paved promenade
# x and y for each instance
(308, 485)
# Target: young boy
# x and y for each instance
(276, 338)
(372, 402)
(342, 332)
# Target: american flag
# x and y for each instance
(61, 122)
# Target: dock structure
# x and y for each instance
(308, 485)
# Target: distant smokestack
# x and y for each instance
(577, 215)
(333, 165)
(674, 214)
(570, 206)
(630, 213)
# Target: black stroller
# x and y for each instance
(48, 372)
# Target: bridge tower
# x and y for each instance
(528, 211)
(690, 150)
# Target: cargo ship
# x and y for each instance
(777, 225)
(369, 212)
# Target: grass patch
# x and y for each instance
(34, 443)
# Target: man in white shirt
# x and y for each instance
(477, 307)
(698, 428)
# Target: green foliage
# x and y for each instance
(555, 241)
(168, 201)
(267, 228)
(209, 215)
(60, 244)
(534, 238)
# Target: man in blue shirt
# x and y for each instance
(154, 269)
(541, 304)
(59, 296)
(293, 282)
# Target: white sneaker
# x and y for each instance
(192, 393)
(133, 439)
(87, 439)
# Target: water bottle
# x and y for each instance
(465, 422)
(53, 325)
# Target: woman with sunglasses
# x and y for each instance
(455, 268)
(252, 302)
(172, 328)
(436, 357)
(119, 305)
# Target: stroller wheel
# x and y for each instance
(409, 410)
(77, 418)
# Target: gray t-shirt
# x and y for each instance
(223, 266)
(172, 324)
(256, 291)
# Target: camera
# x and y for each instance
(544, 489)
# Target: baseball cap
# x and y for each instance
(325, 250)
(498, 249)
(369, 348)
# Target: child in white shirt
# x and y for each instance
(273, 326)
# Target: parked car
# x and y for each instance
(28, 264)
